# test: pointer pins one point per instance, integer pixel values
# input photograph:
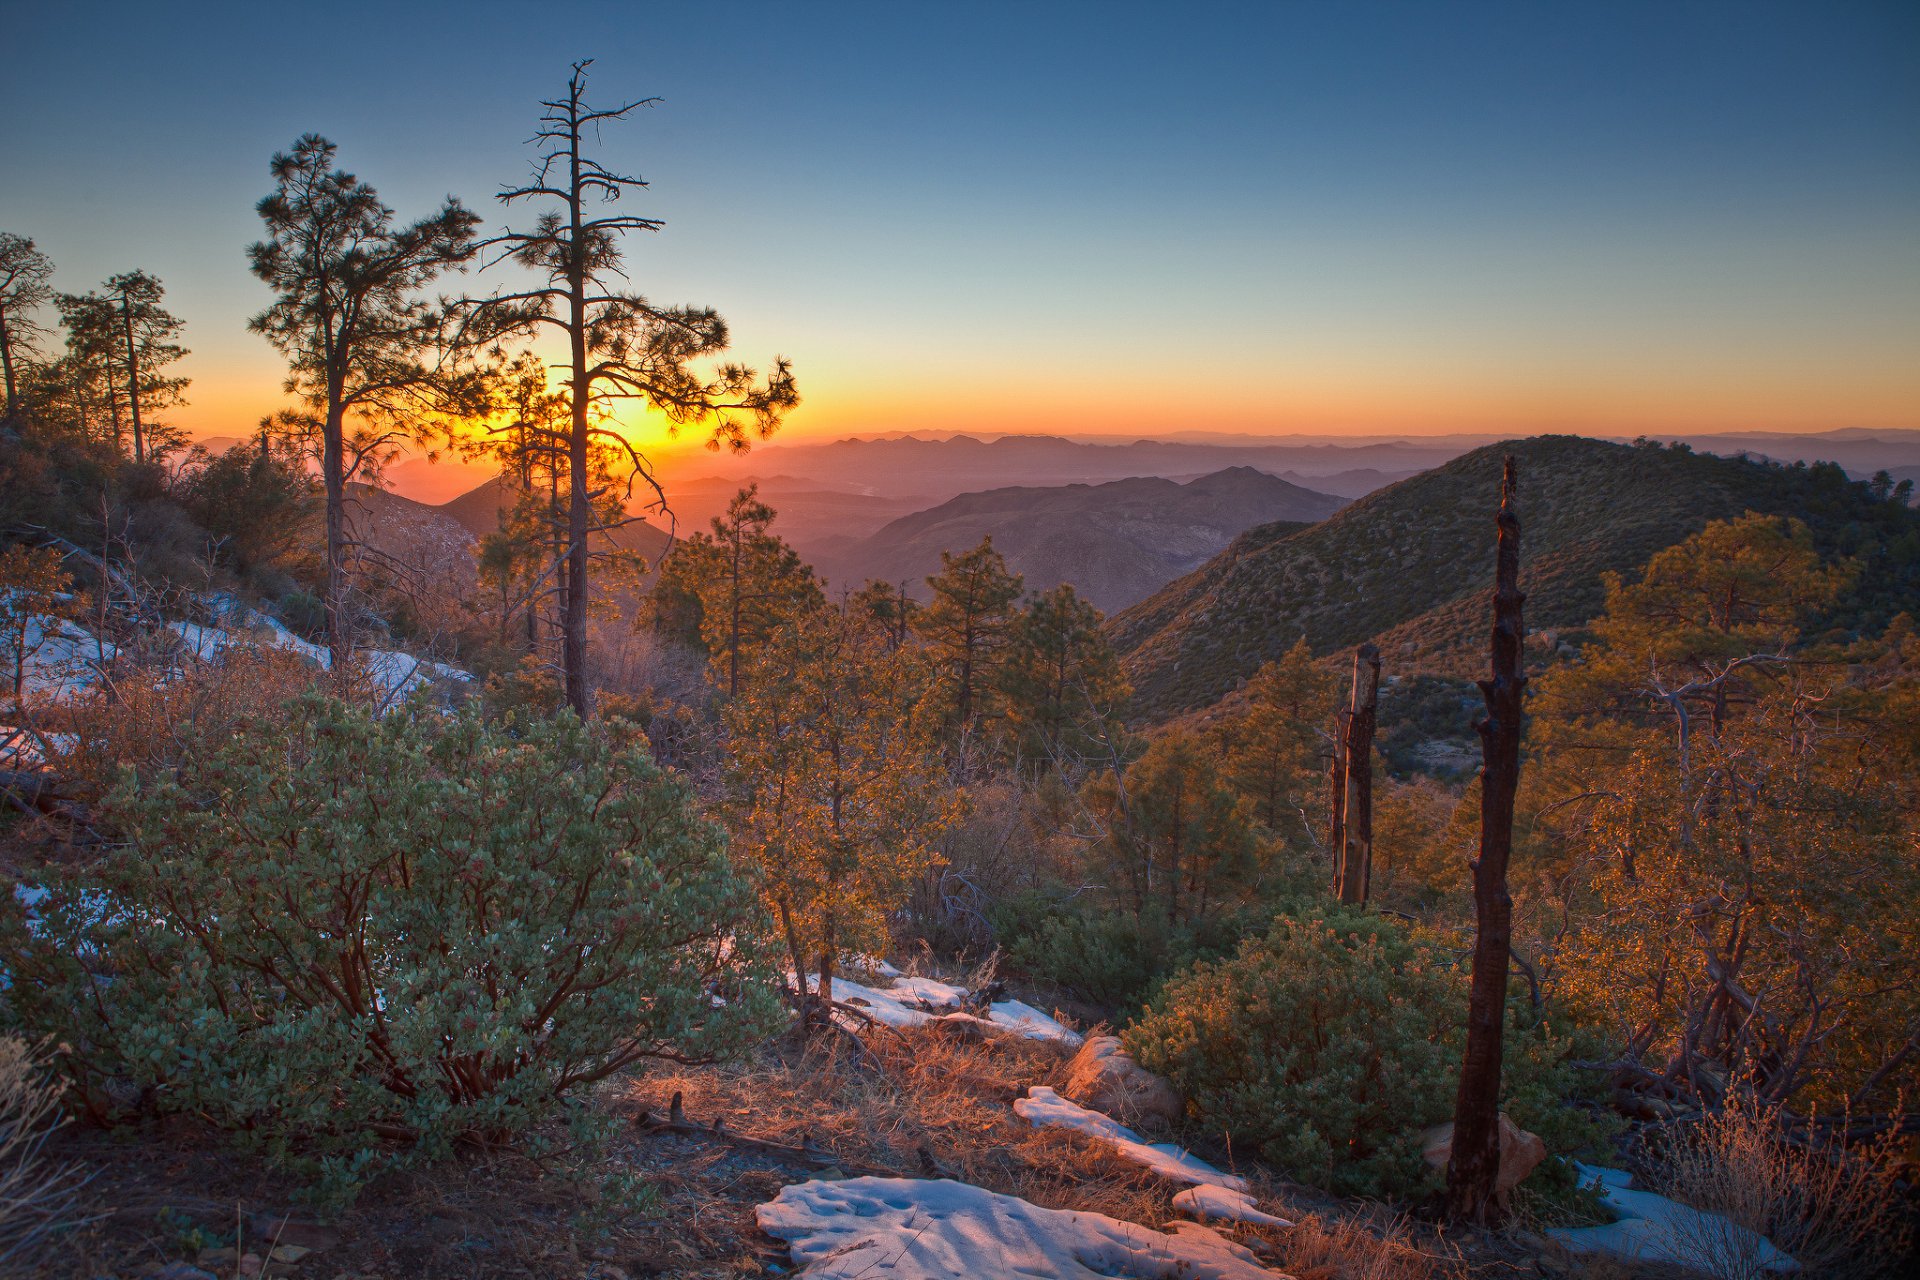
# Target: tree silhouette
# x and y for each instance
(619, 345)
(24, 272)
(146, 346)
(358, 338)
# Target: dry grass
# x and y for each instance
(950, 1096)
(1835, 1213)
(1362, 1247)
(37, 1194)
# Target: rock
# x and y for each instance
(914, 1229)
(289, 1254)
(1104, 1076)
(1520, 1153)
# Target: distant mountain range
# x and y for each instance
(921, 471)
(1409, 566)
(1115, 542)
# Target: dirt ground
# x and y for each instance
(174, 1194)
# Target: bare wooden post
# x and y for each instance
(1474, 1163)
(1353, 858)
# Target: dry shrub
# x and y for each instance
(950, 1095)
(36, 1194)
(1835, 1212)
(1336, 1248)
(150, 715)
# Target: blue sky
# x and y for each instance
(1285, 217)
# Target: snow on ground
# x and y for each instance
(394, 674)
(63, 659)
(1214, 1194)
(913, 1002)
(1653, 1228)
(906, 1229)
(1207, 1201)
(1046, 1109)
(1016, 1015)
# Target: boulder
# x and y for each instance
(1104, 1076)
(1520, 1153)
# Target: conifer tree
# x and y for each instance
(729, 588)
(360, 339)
(966, 626)
(888, 604)
(1184, 839)
(146, 346)
(1274, 747)
(838, 794)
(87, 381)
(620, 345)
(1061, 681)
(24, 273)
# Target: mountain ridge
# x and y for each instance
(1408, 566)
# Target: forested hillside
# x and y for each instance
(1114, 542)
(1405, 566)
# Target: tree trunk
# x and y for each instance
(133, 381)
(1354, 857)
(573, 642)
(333, 476)
(6, 360)
(1337, 795)
(1475, 1162)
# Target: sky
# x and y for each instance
(1076, 218)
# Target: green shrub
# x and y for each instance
(361, 940)
(1330, 1043)
(1107, 957)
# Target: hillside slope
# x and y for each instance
(1114, 542)
(479, 510)
(1409, 565)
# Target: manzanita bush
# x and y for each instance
(1330, 1043)
(361, 940)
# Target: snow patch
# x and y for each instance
(1653, 1228)
(906, 1229)
(1016, 1015)
(1224, 1204)
(1046, 1109)
(914, 1002)
(63, 659)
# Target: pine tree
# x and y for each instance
(360, 339)
(86, 385)
(889, 605)
(966, 626)
(24, 273)
(731, 587)
(620, 345)
(1184, 841)
(1060, 682)
(1275, 746)
(146, 346)
(838, 794)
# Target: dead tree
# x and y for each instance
(619, 344)
(1475, 1161)
(1353, 852)
(1337, 795)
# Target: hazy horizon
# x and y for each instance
(1373, 219)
